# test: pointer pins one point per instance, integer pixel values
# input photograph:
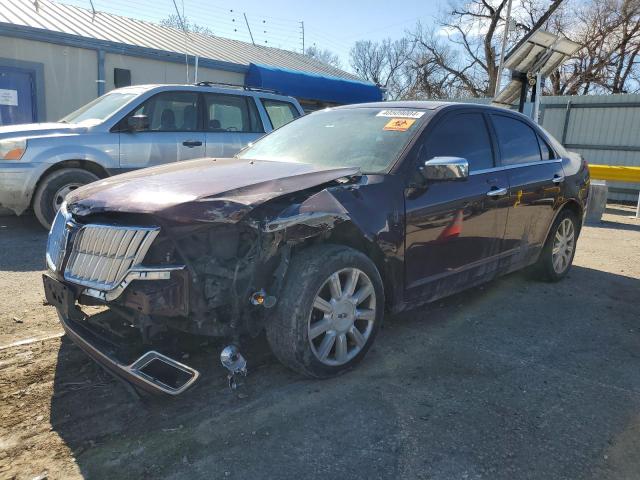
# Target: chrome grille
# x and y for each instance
(102, 255)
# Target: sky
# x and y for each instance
(328, 24)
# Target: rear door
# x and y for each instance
(175, 131)
(535, 180)
(231, 122)
(454, 229)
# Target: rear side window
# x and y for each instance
(464, 135)
(231, 113)
(518, 142)
(280, 113)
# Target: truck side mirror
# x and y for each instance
(138, 123)
(445, 168)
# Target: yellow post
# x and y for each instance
(617, 173)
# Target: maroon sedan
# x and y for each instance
(311, 233)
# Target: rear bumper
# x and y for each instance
(139, 373)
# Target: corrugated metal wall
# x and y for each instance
(605, 129)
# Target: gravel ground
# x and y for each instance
(516, 379)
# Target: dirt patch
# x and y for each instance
(513, 379)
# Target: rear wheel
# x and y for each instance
(329, 312)
(559, 249)
(53, 189)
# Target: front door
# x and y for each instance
(535, 180)
(454, 229)
(232, 122)
(175, 132)
(17, 96)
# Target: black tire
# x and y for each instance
(287, 328)
(51, 185)
(544, 269)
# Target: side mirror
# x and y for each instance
(138, 123)
(445, 168)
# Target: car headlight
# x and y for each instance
(12, 148)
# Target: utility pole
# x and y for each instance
(302, 30)
(505, 37)
(248, 27)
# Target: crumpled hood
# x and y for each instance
(38, 129)
(220, 190)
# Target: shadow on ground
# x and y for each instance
(516, 379)
(22, 250)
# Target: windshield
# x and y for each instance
(99, 109)
(369, 138)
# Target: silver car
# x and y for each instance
(130, 128)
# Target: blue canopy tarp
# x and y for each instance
(311, 86)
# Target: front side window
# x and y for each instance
(280, 113)
(232, 113)
(463, 135)
(100, 109)
(518, 141)
(369, 138)
(171, 112)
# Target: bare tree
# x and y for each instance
(384, 63)
(465, 44)
(457, 56)
(325, 56)
(174, 21)
(608, 32)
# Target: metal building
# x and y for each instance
(56, 57)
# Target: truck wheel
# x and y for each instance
(329, 312)
(54, 187)
(557, 254)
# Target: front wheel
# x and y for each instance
(329, 313)
(54, 188)
(559, 249)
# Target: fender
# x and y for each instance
(52, 150)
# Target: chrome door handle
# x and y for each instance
(497, 192)
(558, 179)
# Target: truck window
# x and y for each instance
(280, 113)
(171, 112)
(232, 113)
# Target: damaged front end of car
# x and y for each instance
(213, 267)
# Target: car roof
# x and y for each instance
(415, 104)
(213, 87)
(425, 105)
(435, 105)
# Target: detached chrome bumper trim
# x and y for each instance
(144, 273)
(132, 373)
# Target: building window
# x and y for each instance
(121, 77)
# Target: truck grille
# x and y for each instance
(102, 255)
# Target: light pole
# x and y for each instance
(504, 47)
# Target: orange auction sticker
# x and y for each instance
(399, 124)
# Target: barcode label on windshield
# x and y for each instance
(400, 113)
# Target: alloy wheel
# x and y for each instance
(342, 316)
(563, 245)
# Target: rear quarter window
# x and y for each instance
(280, 113)
(518, 141)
